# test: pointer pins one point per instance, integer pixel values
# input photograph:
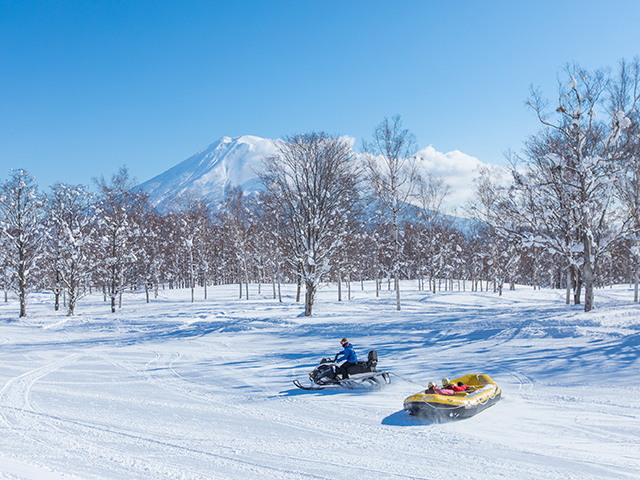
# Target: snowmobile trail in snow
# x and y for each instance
(146, 399)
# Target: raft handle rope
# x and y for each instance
(403, 378)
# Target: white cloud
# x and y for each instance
(458, 170)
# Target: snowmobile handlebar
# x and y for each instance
(330, 359)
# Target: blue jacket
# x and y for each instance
(348, 354)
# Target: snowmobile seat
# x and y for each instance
(364, 367)
(372, 360)
(358, 367)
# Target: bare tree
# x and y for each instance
(565, 199)
(313, 181)
(625, 98)
(21, 209)
(432, 191)
(151, 238)
(72, 216)
(117, 202)
(271, 240)
(393, 174)
(236, 218)
(191, 225)
(7, 277)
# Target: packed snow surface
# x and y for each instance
(181, 390)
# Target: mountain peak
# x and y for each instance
(230, 161)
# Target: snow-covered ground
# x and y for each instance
(175, 390)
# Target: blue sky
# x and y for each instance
(90, 86)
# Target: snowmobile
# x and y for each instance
(361, 374)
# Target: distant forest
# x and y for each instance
(569, 218)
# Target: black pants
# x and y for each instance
(342, 369)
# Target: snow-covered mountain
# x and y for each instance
(235, 162)
(206, 175)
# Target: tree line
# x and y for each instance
(575, 190)
(567, 219)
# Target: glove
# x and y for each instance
(335, 359)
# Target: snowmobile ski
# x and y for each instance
(297, 383)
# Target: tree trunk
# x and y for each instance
(588, 274)
(279, 290)
(577, 292)
(246, 280)
(22, 285)
(273, 284)
(299, 285)
(397, 285)
(259, 281)
(309, 298)
(192, 280)
(73, 298)
(113, 292)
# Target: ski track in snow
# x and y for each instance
(174, 390)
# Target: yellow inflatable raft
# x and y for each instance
(481, 393)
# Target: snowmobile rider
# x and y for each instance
(460, 387)
(349, 355)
